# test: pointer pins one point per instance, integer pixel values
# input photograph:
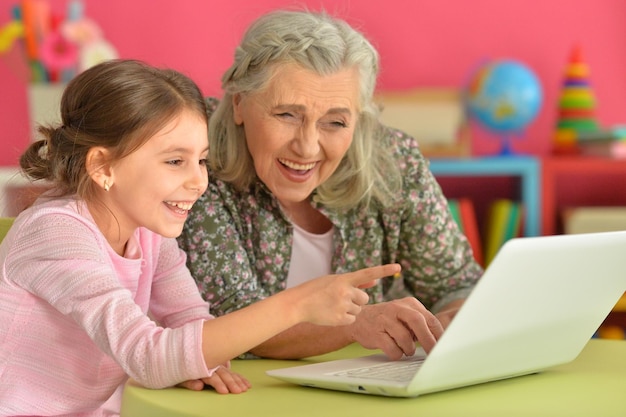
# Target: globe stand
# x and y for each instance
(504, 96)
(506, 149)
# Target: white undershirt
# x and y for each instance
(311, 255)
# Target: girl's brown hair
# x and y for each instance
(119, 105)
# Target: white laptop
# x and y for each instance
(539, 302)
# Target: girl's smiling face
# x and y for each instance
(156, 185)
(299, 128)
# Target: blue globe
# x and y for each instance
(504, 96)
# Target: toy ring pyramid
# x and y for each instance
(577, 104)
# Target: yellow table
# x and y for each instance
(592, 385)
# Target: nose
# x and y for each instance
(198, 178)
(306, 142)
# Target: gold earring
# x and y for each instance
(106, 185)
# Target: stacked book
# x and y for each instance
(462, 210)
(504, 221)
(603, 143)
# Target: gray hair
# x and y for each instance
(326, 45)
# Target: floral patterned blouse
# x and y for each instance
(239, 244)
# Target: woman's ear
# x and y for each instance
(98, 167)
(237, 98)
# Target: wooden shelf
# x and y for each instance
(524, 168)
(570, 181)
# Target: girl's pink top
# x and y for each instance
(76, 319)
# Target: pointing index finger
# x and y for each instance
(367, 277)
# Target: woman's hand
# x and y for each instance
(223, 380)
(395, 326)
(448, 312)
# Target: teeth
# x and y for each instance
(298, 167)
(180, 205)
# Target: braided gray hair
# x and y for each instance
(316, 42)
(325, 45)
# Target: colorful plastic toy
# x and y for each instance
(576, 105)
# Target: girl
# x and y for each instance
(93, 287)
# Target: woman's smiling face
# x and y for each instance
(299, 128)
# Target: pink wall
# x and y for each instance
(422, 43)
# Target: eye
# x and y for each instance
(334, 124)
(203, 162)
(174, 162)
(290, 117)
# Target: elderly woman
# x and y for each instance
(304, 181)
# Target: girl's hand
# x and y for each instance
(223, 380)
(335, 300)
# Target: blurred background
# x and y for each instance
(423, 43)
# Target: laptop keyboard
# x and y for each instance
(400, 371)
